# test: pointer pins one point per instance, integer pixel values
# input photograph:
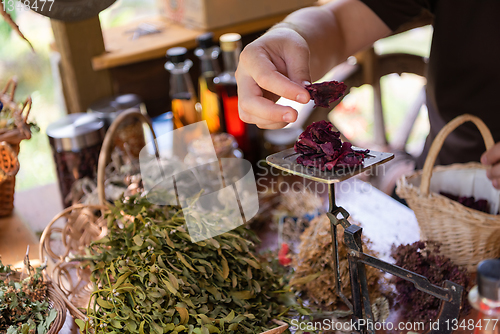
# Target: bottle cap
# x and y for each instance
(205, 40)
(177, 54)
(230, 42)
(488, 279)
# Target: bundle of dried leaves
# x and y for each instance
(294, 212)
(315, 257)
(122, 178)
(424, 258)
(24, 308)
(10, 119)
(150, 278)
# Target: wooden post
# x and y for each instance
(78, 42)
(371, 73)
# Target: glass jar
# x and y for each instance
(76, 142)
(129, 137)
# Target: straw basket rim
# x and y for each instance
(404, 187)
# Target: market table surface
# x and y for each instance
(384, 220)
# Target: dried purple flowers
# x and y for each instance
(424, 258)
(470, 202)
(325, 93)
(322, 148)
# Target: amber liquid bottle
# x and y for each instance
(182, 92)
(208, 54)
(225, 83)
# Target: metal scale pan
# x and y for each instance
(287, 161)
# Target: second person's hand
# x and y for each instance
(273, 66)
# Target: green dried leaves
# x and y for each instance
(152, 279)
(24, 307)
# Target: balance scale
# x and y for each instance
(450, 293)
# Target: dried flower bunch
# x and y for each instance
(294, 210)
(9, 120)
(424, 258)
(315, 256)
(6, 118)
(321, 147)
(150, 278)
(24, 308)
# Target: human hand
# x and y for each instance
(273, 66)
(492, 158)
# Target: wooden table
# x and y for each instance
(33, 210)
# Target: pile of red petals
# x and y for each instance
(470, 202)
(321, 147)
(324, 93)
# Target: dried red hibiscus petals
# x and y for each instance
(325, 93)
(470, 202)
(321, 147)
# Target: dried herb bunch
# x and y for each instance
(150, 278)
(315, 257)
(8, 120)
(24, 307)
(424, 258)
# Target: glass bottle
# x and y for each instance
(225, 84)
(208, 54)
(182, 92)
(485, 297)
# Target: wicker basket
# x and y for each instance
(82, 225)
(9, 165)
(55, 302)
(12, 138)
(467, 235)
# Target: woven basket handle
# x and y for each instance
(107, 146)
(438, 143)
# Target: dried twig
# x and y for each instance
(14, 26)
